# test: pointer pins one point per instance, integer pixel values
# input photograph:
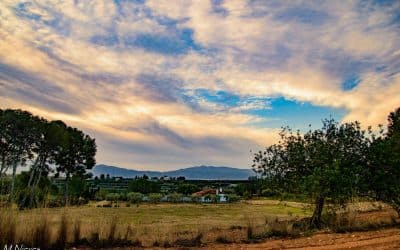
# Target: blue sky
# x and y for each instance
(169, 84)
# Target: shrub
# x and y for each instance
(211, 197)
(101, 194)
(113, 197)
(134, 197)
(269, 193)
(233, 198)
(191, 242)
(247, 195)
(277, 227)
(155, 197)
(175, 197)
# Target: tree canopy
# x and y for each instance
(47, 146)
(335, 163)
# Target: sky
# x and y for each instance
(164, 85)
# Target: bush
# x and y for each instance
(134, 197)
(233, 198)
(195, 241)
(175, 197)
(269, 193)
(113, 197)
(155, 197)
(247, 195)
(211, 198)
(101, 194)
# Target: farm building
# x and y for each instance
(211, 195)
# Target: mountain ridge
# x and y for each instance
(191, 173)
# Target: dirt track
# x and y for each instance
(380, 239)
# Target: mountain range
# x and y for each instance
(190, 173)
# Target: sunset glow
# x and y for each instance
(163, 85)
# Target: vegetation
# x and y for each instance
(144, 186)
(46, 146)
(330, 167)
(169, 224)
(148, 223)
(382, 174)
(335, 163)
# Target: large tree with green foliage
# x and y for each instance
(325, 163)
(25, 138)
(383, 169)
(18, 134)
(75, 154)
(144, 186)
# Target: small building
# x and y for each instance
(211, 195)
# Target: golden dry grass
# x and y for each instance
(156, 222)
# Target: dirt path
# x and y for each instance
(380, 239)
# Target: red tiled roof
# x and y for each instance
(205, 192)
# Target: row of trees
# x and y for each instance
(336, 163)
(137, 197)
(45, 146)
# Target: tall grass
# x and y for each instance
(61, 239)
(77, 232)
(60, 229)
(8, 228)
(112, 230)
(41, 235)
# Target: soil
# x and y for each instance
(388, 238)
(379, 239)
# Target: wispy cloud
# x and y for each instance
(168, 84)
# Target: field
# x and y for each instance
(182, 224)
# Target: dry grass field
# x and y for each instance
(173, 225)
(152, 223)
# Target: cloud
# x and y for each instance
(161, 88)
(171, 84)
(303, 15)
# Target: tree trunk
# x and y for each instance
(40, 167)
(31, 177)
(2, 171)
(66, 189)
(34, 189)
(316, 220)
(11, 197)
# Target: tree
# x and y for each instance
(17, 137)
(76, 154)
(382, 174)
(77, 186)
(187, 188)
(25, 138)
(21, 189)
(144, 186)
(325, 163)
(46, 146)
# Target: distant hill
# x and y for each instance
(191, 173)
